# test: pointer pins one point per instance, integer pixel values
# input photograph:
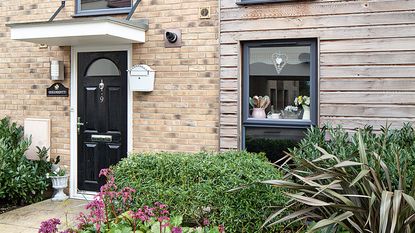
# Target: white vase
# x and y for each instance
(59, 183)
(258, 113)
(306, 113)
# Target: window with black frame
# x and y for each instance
(98, 7)
(249, 2)
(279, 94)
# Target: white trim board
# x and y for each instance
(73, 189)
(75, 32)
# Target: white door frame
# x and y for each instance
(73, 189)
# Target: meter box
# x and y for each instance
(141, 78)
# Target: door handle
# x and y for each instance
(79, 124)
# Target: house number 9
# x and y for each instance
(101, 87)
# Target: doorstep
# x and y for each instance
(27, 219)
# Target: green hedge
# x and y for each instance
(193, 184)
(22, 181)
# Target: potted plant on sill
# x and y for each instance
(290, 112)
(59, 181)
(304, 101)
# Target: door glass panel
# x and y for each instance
(272, 141)
(103, 67)
(281, 74)
(104, 4)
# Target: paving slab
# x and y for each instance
(27, 219)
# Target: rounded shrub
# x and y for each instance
(22, 181)
(197, 186)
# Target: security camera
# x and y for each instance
(171, 37)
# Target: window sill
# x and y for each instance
(278, 122)
(251, 2)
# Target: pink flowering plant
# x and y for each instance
(111, 212)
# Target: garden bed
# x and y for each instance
(6, 207)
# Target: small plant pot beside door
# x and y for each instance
(59, 183)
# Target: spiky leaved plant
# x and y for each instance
(355, 192)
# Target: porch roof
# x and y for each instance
(85, 31)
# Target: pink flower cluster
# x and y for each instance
(49, 226)
(96, 214)
(143, 214)
(103, 207)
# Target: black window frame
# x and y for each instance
(252, 2)
(281, 123)
(110, 11)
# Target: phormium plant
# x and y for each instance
(367, 186)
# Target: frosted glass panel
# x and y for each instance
(103, 67)
(104, 4)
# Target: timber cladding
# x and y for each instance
(366, 58)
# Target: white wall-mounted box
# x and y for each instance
(141, 78)
(39, 132)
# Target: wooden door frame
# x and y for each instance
(73, 188)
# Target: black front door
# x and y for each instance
(102, 114)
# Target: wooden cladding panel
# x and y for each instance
(231, 11)
(359, 122)
(394, 18)
(367, 71)
(395, 98)
(367, 84)
(337, 33)
(366, 45)
(366, 56)
(368, 110)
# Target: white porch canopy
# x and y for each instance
(86, 31)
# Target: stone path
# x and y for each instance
(27, 219)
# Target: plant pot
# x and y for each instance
(290, 115)
(59, 183)
(258, 113)
(306, 114)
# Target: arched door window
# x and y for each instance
(103, 67)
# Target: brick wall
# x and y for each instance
(181, 114)
(24, 73)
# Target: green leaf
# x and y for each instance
(355, 225)
(385, 205)
(294, 215)
(274, 215)
(176, 221)
(361, 174)
(326, 222)
(362, 149)
(385, 169)
(308, 200)
(410, 200)
(396, 204)
(347, 164)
